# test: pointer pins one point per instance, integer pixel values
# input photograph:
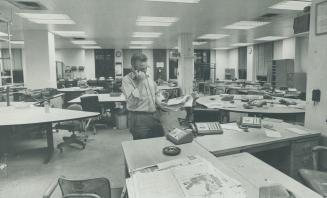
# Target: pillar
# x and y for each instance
(40, 64)
(250, 68)
(185, 76)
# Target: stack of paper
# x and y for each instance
(191, 177)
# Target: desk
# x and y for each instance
(293, 113)
(13, 116)
(141, 153)
(103, 98)
(73, 92)
(297, 153)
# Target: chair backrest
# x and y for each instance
(98, 186)
(90, 103)
(75, 107)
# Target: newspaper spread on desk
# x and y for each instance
(191, 177)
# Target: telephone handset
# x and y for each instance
(207, 128)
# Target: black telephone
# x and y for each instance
(207, 128)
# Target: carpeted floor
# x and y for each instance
(28, 177)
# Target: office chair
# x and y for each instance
(315, 179)
(92, 104)
(88, 188)
(72, 126)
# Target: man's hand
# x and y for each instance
(139, 76)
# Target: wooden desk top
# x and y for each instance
(141, 153)
(258, 173)
(215, 102)
(10, 116)
(103, 98)
(234, 141)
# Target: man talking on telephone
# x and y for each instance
(142, 99)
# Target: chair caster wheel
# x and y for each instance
(83, 147)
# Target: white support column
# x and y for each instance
(250, 70)
(185, 74)
(40, 64)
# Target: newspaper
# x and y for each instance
(191, 177)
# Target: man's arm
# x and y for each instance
(131, 91)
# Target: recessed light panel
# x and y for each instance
(155, 21)
(91, 47)
(137, 47)
(212, 36)
(17, 42)
(141, 42)
(3, 34)
(176, 1)
(84, 42)
(241, 44)
(70, 34)
(198, 42)
(246, 25)
(270, 38)
(147, 34)
(53, 21)
(47, 18)
(291, 5)
(43, 16)
(222, 48)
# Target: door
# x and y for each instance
(104, 63)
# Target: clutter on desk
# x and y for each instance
(179, 136)
(207, 128)
(272, 133)
(171, 150)
(275, 190)
(187, 177)
(250, 122)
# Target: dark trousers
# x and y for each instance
(144, 125)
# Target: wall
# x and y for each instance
(213, 62)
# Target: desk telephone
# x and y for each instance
(253, 122)
(207, 128)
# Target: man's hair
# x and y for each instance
(138, 57)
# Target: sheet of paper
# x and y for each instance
(273, 134)
(150, 185)
(231, 126)
(298, 131)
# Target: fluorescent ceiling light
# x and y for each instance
(222, 48)
(141, 42)
(177, 1)
(291, 5)
(53, 21)
(138, 47)
(44, 16)
(17, 42)
(147, 34)
(241, 44)
(3, 34)
(245, 25)
(155, 21)
(70, 33)
(91, 47)
(198, 42)
(84, 42)
(212, 36)
(270, 38)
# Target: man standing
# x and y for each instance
(142, 100)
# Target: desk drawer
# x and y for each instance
(305, 147)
